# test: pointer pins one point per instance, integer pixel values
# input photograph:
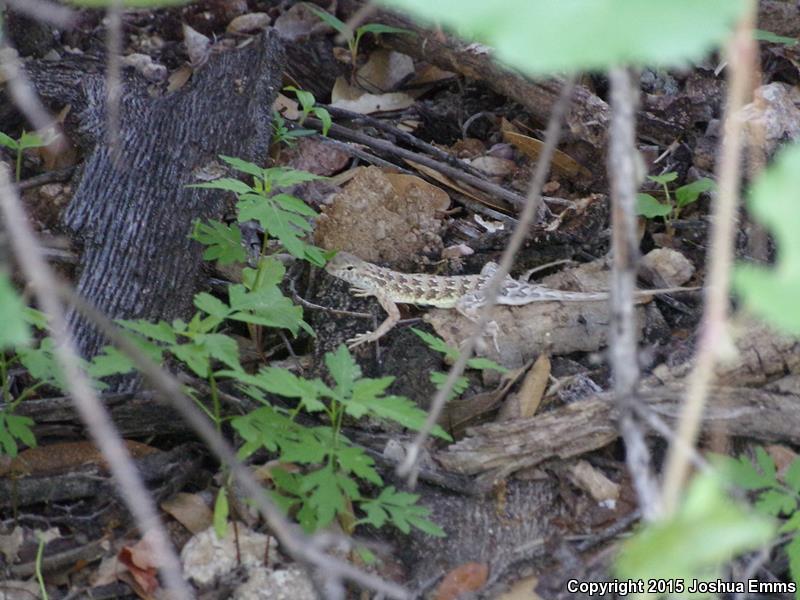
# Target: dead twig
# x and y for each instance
(625, 248)
(92, 412)
(742, 54)
(408, 467)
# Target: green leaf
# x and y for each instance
(764, 460)
(224, 183)
(109, 362)
(664, 178)
(19, 427)
(326, 497)
(8, 141)
(327, 17)
(211, 305)
(544, 38)
(462, 383)
(708, 529)
(376, 28)
(792, 475)
(193, 356)
(161, 331)
(344, 370)
(221, 347)
(772, 292)
(775, 503)
(324, 116)
(793, 552)
(31, 140)
(762, 35)
(286, 177)
(689, 193)
(224, 241)
(393, 408)
(741, 472)
(15, 330)
(294, 204)
(221, 512)
(436, 343)
(306, 99)
(791, 524)
(265, 306)
(647, 206)
(244, 166)
(284, 383)
(354, 460)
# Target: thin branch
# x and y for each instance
(46, 12)
(622, 158)
(114, 77)
(93, 414)
(408, 467)
(742, 55)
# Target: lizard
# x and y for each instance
(465, 293)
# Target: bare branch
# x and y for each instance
(742, 55)
(92, 412)
(622, 173)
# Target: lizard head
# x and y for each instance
(345, 266)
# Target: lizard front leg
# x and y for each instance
(393, 316)
(469, 306)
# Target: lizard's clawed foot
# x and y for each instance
(361, 338)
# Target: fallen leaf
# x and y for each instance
(469, 577)
(190, 510)
(178, 78)
(563, 163)
(356, 100)
(526, 402)
(385, 71)
(287, 107)
(141, 562)
(249, 23)
(295, 23)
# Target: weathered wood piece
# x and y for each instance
(133, 214)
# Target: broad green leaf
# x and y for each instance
(224, 241)
(306, 99)
(650, 208)
(324, 116)
(742, 472)
(221, 347)
(772, 292)
(686, 194)
(355, 460)
(285, 177)
(462, 383)
(294, 204)
(243, 166)
(708, 529)
(663, 179)
(344, 370)
(792, 475)
(161, 331)
(793, 552)
(31, 140)
(15, 330)
(393, 408)
(775, 503)
(109, 362)
(19, 426)
(766, 463)
(224, 183)
(8, 141)
(193, 356)
(542, 38)
(436, 343)
(326, 495)
(211, 305)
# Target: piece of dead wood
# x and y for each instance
(165, 473)
(497, 450)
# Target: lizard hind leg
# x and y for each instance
(469, 306)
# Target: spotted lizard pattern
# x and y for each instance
(465, 293)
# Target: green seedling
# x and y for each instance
(26, 141)
(649, 207)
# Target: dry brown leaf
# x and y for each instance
(494, 166)
(142, 564)
(461, 188)
(190, 510)
(469, 577)
(295, 23)
(249, 23)
(598, 486)
(531, 147)
(428, 74)
(198, 46)
(402, 184)
(783, 457)
(178, 78)
(385, 71)
(526, 402)
(287, 107)
(351, 98)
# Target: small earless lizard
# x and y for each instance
(465, 293)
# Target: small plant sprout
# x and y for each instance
(26, 141)
(650, 207)
(354, 37)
